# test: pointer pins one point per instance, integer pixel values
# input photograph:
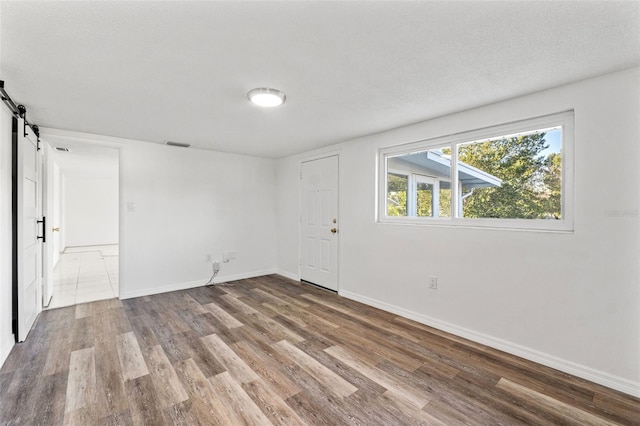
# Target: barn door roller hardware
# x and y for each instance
(19, 111)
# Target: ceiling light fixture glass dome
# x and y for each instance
(265, 97)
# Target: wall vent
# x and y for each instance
(61, 149)
(180, 144)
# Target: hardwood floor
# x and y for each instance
(272, 351)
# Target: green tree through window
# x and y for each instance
(397, 186)
(531, 181)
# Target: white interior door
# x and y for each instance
(29, 194)
(47, 211)
(319, 222)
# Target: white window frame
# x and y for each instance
(565, 224)
(435, 188)
(409, 176)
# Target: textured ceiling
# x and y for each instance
(85, 160)
(180, 71)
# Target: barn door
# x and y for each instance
(30, 227)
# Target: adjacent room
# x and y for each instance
(353, 212)
(84, 197)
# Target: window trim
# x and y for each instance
(563, 119)
(435, 187)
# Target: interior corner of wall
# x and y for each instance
(289, 275)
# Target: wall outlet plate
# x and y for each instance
(433, 282)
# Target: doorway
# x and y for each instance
(319, 222)
(83, 193)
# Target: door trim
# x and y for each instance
(306, 159)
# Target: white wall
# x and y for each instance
(7, 339)
(571, 301)
(190, 203)
(90, 210)
(187, 203)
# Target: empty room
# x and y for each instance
(322, 212)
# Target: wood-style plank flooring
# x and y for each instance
(273, 351)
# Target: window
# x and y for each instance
(419, 184)
(517, 175)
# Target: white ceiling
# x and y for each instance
(84, 160)
(180, 71)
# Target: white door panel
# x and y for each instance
(29, 193)
(319, 222)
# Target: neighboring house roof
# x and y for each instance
(435, 161)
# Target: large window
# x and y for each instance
(517, 175)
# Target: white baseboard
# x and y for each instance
(6, 350)
(588, 373)
(289, 275)
(192, 284)
(244, 275)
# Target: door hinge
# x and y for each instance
(38, 144)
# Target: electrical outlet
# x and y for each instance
(232, 255)
(225, 257)
(216, 266)
(208, 258)
(433, 282)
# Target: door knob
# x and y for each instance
(334, 230)
(56, 229)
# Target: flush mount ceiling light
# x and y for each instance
(266, 97)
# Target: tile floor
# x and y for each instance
(85, 274)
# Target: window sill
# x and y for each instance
(542, 226)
